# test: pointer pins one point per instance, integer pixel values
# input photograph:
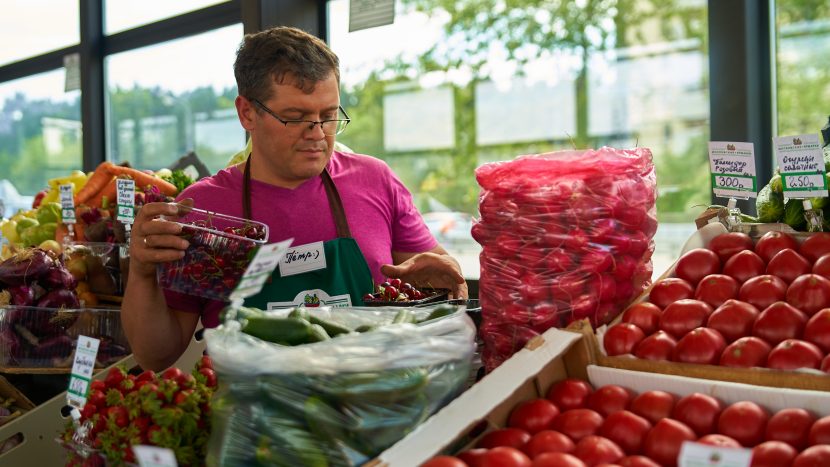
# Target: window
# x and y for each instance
(121, 15)
(437, 94)
(26, 30)
(175, 97)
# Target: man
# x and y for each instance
(289, 102)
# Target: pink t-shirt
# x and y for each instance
(379, 210)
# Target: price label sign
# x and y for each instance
(154, 456)
(733, 169)
(82, 366)
(67, 199)
(701, 455)
(801, 164)
(125, 200)
(262, 265)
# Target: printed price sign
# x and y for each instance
(82, 367)
(801, 164)
(262, 265)
(154, 456)
(702, 455)
(126, 200)
(733, 169)
(67, 199)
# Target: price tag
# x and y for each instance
(701, 455)
(262, 265)
(154, 456)
(82, 366)
(67, 199)
(733, 169)
(801, 164)
(125, 200)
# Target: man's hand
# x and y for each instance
(154, 240)
(430, 270)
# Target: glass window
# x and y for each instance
(171, 98)
(40, 136)
(120, 15)
(26, 30)
(437, 94)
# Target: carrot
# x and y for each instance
(99, 179)
(109, 191)
(142, 179)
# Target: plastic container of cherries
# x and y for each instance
(394, 292)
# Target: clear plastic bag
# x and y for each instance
(566, 235)
(337, 402)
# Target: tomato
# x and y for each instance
(700, 345)
(570, 393)
(505, 457)
(809, 293)
(772, 454)
(533, 416)
(627, 429)
(578, 423)
(698, 411)
(772, 242)
(744, 421)
(763, 291)
(787, 264)
(512, 437)
(817, 330)
(715, 289)
(793, 354)
(696, 264)
(637, 461)
(653, 405)
(822, 266)
(814, 456)
(684, 315)
(472, 457)
(778, 322)
(621, 338)
(669, 290)
(733, 319)
(548, 441)
(820, 431)
(746, 352)
(744, 265)
(728, 244)
(609, 399)
(595, 450)
(825, 364)
(715, 439)
(815, 246)
(444, 461)
(658, 346)
(791, 426)
(663, 442)
(557, 459)
(644, 315)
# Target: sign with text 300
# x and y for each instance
(733, 169)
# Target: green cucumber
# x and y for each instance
(286, 331)
(404, 316)
(318, 333)
(333, 329)
(439, 312)
(300, 312)
(365, 328)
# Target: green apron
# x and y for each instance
(343, 281)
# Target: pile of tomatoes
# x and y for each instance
(576, 426)
(738, 304)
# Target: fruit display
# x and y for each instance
(394, 292)
(565, 236)
(96, 267)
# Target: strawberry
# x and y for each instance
(114, 377)
(119, 416)
(172, 374)
(98, 399)
(146, 375)
(88, 411)
(210, 376)
(97, 385)
(205, 362)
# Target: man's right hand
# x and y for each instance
(154, 240)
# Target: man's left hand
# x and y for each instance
(430, 270)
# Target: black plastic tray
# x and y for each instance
(434, 295)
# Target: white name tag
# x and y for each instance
(303, 258)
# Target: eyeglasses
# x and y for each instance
(330, 127)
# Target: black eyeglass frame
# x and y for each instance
(311, 123)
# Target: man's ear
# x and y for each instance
(246, 112)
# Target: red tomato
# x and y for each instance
(791, 426)
(778, 322)
(578, 423)
(700, 345)
(696, 264)
(533, 416)
(669, 290)
(822, 266)
(788, 264)
(814, 456)
(745, 422)
(512, 437)
(595, 450)
(793, 354)
(825, 364)
(609, 399)
(817, 330)
(570, 393)
(815, 246)
(505, 457)
(637, 461)
(548, 441)
(809, 293)
(621, 338)
(444, 461)
(663, 442)
(744, 265)
(772, 242)
(820, 431)
(698, 411)
(733, 319)
(627, 429)
(715, 289)
(653, 405)
(557, 459)
(472, 457)
(746, 352)
(684, 315)
(728, 244)
(772, 454)
(763, 291)
(715, 439)
(644, 315)
(658, 346)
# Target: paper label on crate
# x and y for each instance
(262, 265)
(125, 200)
(733, 169)
(700, 455)
(154, 456)
(303, 258)
(83, 365)
(801, 163)
(67, 200)
(314, 298)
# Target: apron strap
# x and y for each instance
(335, 204)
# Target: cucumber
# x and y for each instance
(333, 329)
(286, 331)
(365, 328)
(300, 312)
(439, 312)
(404, 316)
(286, 441)
(318, 333)
(381, 387)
